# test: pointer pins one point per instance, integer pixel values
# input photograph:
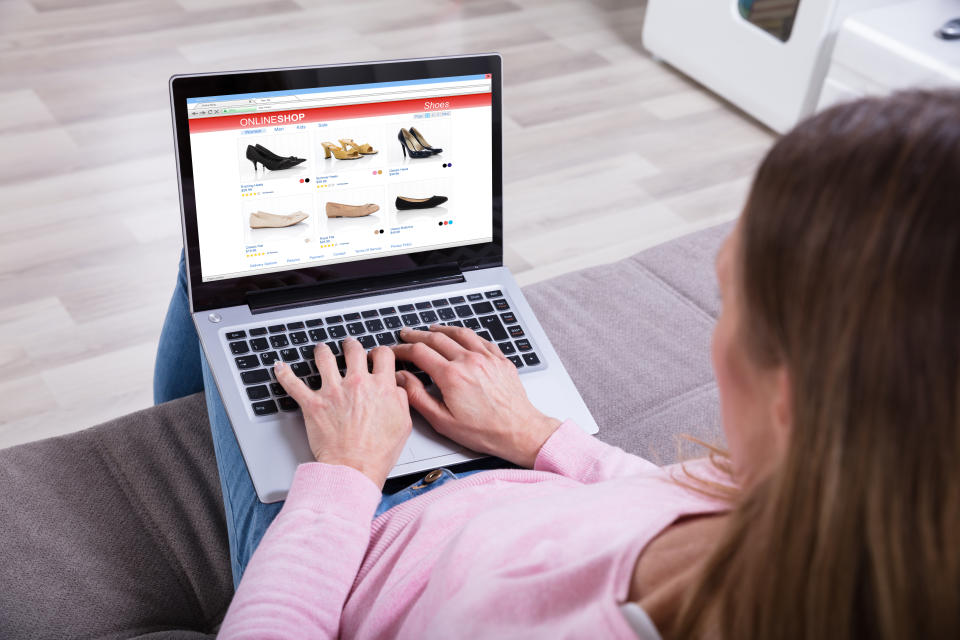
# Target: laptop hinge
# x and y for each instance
(348, 289)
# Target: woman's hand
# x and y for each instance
(359, 420)
(484, 405)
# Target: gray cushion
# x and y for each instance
(118, 531)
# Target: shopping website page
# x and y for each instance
(291, 179)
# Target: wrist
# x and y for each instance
(366, 469)
(538, 432)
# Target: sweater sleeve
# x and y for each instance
(573, 453)
(301, 573)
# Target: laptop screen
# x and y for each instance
(311, 177)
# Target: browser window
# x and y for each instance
(291, 179)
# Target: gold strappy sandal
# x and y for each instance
(338, 152)
(364, 149)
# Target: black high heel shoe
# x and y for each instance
(423, 141)
(411, 147)
(270, 160)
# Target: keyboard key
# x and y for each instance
(531, 359)
(301, 369)
(405, 308)
(485, 335)
(392, 322)
(341, 362)
(290, 355)
(337, 332)
(258, 393)
(350, 317)
(307, 352)
(287, 404)
(424, 378)
(472, 323)
(386, 338)
(473, 297)
(291, 326)
(507, 348)
(482, 307)
(278, 342)
(333, 319)
(300, 337)
(356, 328)
(238, 347)
(234, 335)
(493, 325)
(422, 328)
(317, 335)
(247, 362)
(370, 313)
(334, 347)
(268, 358)
(464, 311)
(423, 305)
(367, 341)
(501, 305)
(396, 334)
(442, 302)
(255, 377)
(517, 362)
(524, 345)
(276, 328)
(446, 313)
(455, 323)
(374, 326)
(387, 311)
(508, 318)
(265, 408)
(277, 389)
(259, 344)
(314, 382)
(428, 316)
(316, 322)
(496, 293)
(457, 300)
(411, 319)
(516, 331)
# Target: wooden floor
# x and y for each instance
(606, 152)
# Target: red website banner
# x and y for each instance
(341, 112)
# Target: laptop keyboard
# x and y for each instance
(256, 347)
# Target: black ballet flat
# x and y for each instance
(404, 203)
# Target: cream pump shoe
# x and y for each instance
(263, 220)
(337, 210)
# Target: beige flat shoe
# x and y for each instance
(337, 210)
(263, 220)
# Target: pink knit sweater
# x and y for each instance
(547, 553)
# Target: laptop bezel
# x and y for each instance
(234, 291)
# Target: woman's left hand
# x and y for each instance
(359, 420)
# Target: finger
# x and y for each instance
(293, 385)
(355, 356)
(442, 344)
(467, 339)
(429, 407)
(383, 360)
(420, 354)
(326, 364)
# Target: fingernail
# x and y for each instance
(400, 378)
(279, 365)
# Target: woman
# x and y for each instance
(837, 356)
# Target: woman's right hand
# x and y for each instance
(484, 405)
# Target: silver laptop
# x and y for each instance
(347, 200)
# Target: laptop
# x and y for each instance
(347, 200)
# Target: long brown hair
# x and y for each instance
(850, 267)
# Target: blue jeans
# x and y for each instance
(180, 370)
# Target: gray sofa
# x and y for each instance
(117, 531)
